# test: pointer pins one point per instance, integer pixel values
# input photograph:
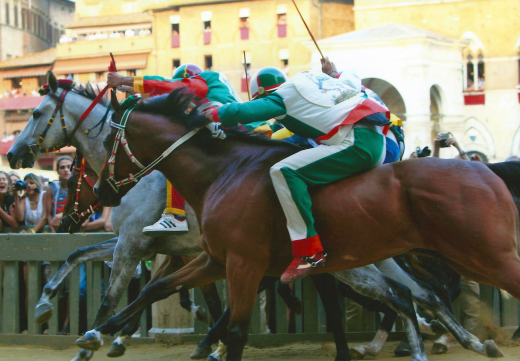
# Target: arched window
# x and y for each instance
(481, 73)
(470, 74)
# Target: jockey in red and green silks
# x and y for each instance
(336, 113)
(208, 86)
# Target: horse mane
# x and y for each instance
(174, 106)
(89, 93)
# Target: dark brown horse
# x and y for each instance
(460, 210)
(81, 200)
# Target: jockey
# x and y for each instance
(209, 87)
(329, 108)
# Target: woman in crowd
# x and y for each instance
(30, 208)
(7, 207)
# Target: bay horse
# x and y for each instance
(133, 215)
(418, 205)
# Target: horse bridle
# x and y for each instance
(59, 107)
(76, 216)
(120, 138)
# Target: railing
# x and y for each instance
(55, 248)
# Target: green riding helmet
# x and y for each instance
(267, 79)
(186, 71)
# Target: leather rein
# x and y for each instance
(76, 216)
(145, 170)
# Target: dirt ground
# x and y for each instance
(297, 351)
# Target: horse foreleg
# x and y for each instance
(100, 252)
(373, 305)
(169, 265)
(243, 287)
(202, 270)
(219, 332)
(369, 281)
(326, 286)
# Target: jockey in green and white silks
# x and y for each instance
(338, 115)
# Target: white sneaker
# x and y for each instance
(167, 223)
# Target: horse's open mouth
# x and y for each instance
(20, 159)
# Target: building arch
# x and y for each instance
(477, 138)
(388, 94)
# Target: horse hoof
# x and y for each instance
(116, 350)
(201, 352)
(201, 314)
(438, 327)
(516, 335)
(356, 354)
(43, 313)
(403, 349)
(90, 341)
(83, 355)
(439, 348)
(492, 350)
(213, 358)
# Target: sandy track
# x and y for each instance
(297, 351)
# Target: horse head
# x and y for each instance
(129, 155)
(53, 122)
(81, 200)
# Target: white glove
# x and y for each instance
(215, 130)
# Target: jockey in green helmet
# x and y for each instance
(208, 87)
(186, 71)
(333, 110)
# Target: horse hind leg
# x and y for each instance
(376, 345)
(369, 281)
(425, 297)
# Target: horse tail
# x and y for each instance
(509, 172)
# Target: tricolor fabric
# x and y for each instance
(361, 149)
(317, 106)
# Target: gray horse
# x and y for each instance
(133, 214)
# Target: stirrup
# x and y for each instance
(315, 263)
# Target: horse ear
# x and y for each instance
(52, 81)
(70, 77)
(115, 103)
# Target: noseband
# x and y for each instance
(120, 138)
(81, 217)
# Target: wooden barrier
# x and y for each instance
(55, 248)
(20, 252)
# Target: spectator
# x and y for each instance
(55, 199)
(481, 83)
(471, 86)
(513, 158)
(451, 141)
(7, 208)
(15, 177)
(31, 209)
(97, 221)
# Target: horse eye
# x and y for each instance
(36, 114)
